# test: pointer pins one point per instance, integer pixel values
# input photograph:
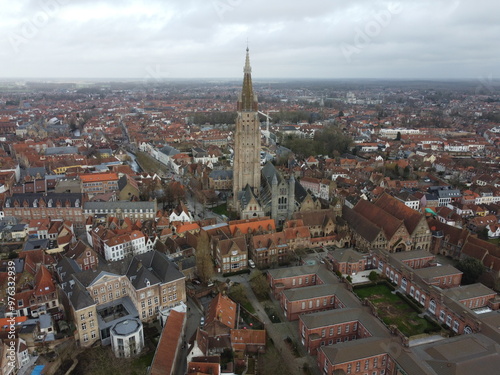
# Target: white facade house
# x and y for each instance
(133, 243)
(127, 338)
(181, 214)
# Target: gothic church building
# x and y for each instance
(258, 193)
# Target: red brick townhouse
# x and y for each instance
(294, 277)
(336, 326)
(368, 356)
(348, 261)
(458, 307)
(315, 298)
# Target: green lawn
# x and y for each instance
(221, 210)
(393, 310)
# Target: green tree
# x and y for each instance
(472, 269)
(259, 285)
(204, 263)
(373, 276)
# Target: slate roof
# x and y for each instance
(149, 205)
(72, 198)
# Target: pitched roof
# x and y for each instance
(398, 209)
(165, 355)
(222, 309)
(389, 223)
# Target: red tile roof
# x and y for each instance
(223, 309)
(163, 361)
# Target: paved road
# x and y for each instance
(279, 332)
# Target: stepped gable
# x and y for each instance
(387, 222)
(399, 210)
(360, 224)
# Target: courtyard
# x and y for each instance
(394, 310)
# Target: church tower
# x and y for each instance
(246, 164)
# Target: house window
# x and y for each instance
(91, 314)
(432, 306)
(303, 305)
(85, 337)
(84, 326)
(456, 326)
(448, 320)
(92, 335)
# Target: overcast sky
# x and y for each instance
(159, 39)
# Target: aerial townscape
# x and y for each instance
(249, 226)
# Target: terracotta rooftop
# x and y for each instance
(163, 361)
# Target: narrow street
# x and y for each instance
(278, 332)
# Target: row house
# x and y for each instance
(293, 277)
(231, 254)
(39, 299)
(99, 183)
(335, 326)
(181, 213)
(297, 235)
(368, 356)
(438, 290)
(348, 261)
(446, 196)
(121, 210)
(311, 184)
(86, 257)
(310, 299)
(64, 206)
(123, 245)
(479, 223)
(268, 249)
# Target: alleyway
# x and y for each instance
(278, 332)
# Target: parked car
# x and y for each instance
(251, 263)
(202, 321)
